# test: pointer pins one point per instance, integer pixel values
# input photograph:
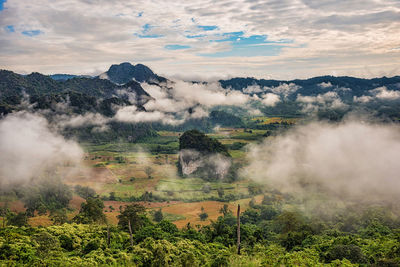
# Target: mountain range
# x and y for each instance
(121, 85)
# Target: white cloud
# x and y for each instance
(179, 101)
(385, 94)
(251, 89)
(380, 93)
(284, 89)
(350, 160)
(325, 85)
(362, 99)
(270, 99)
(86, 119)
(327, 100)
(28, 147)
(132, 114)
(334, 37)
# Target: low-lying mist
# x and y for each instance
(349, 161)
(29, 147)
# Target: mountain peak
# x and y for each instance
(126, 72)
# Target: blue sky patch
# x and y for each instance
(2, 4)
(140, 14)
(32, 33)
(251, 46)
(146, 32)
(176, 47)
(195, 36)
(207, 27)
(9, 28)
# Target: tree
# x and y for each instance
(254, 189)
(149, 171)
(47, 195)
(225, 210)
(17, 219)
(112, 196)
(133, 214)
(84, 191)
(206, 188)
(203, 215)
(91, 211)
(220, 192)
(59, 216)
(198, 141)
(267, 199)
(3, 212)
(252, 203)
(46, 243)
(158, 216)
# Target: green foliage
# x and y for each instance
(203, 215)
(158, 216)
(220, 192)
(223, 118)
(135, 214)
(350, 252)
(46, 243)
(59, 216)
(91, 212)
(225, 210)
(84, 191)
(17, 219)
(46, 195)
(198, 141)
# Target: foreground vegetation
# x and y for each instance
(142, 213)
(270, 237)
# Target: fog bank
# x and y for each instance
(351, 160)
(28, 147)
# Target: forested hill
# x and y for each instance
(38, 84)
(328, 97)
(316, 85)
(83, 92)
(126, 72)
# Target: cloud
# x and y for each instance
(380, 93)
(305, 38)
(251, 89)
(215, 164)
(325, 85)
(132, 114)
(28, 147)
(87, 119)
(351, 160)
(385, 94)
(270, 99)
(314, 103)
(362, 99)
(284, 89)
(178, 101)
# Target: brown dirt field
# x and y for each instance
(92, 177)
(148, 205)
(192, 210)
(14, 206)
(42, 220)
(76, 202)
(112, 217)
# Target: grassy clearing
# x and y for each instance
(122, 168)
(237, 154)
(192, 210)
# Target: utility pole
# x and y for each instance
(238, 229)
(130, 232)
(108, 236)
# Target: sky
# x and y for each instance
(207, 39)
